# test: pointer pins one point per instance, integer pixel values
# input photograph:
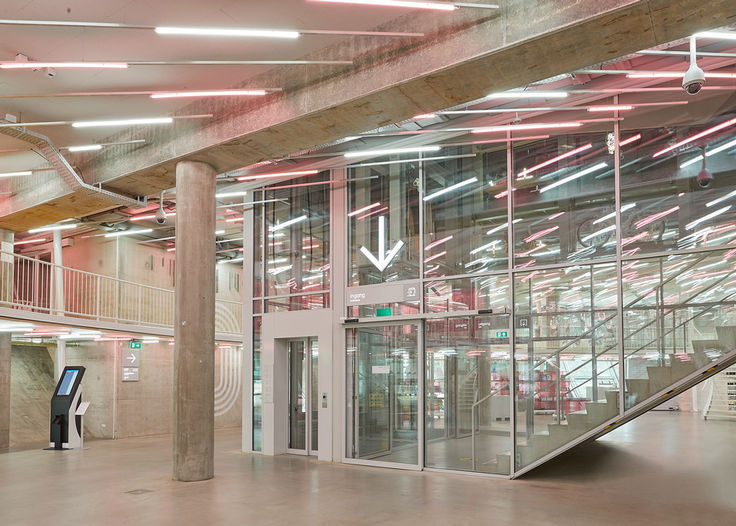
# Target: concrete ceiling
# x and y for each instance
(463, 60)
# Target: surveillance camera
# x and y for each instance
(704, 178)
(693, 80)
(161, 215)
(50, 72)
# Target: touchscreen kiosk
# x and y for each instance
(65, 424)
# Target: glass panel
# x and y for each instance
(383, 393)
(462, 215)
(257, 246)
(402, 308)
(468, 394)
(566, 356)
(315, 398)
(489, 292)
(298, 228)
(564, 200)
(257, 391)
(383, 212)
(666, 204)
(297, 395)
(294, 303)
(679, 317)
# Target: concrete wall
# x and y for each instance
(126, 409)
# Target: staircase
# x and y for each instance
(722, 402)
(677, 373)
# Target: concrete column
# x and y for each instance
(59, 358)
(59, 302)
(194, 356)
(6, 296)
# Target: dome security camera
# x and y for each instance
(694, 77)
(704, 178)
(161, 213)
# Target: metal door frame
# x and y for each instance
(307, 342)
(418, 323)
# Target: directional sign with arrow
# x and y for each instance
(130, 358)
(384, 258)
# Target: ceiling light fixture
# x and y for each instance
(226, 32)
(424, 116)
(123, 122)
(677, 74)
(130, 232)
(555, 159)
(438, 242)
(718, 212)
(451, 188)
(612, 107)
(364, 209)
(211, 93)
(630, 140)
(51, 228)
(697, 136)
(721, 199)
(277, 174)
(63, 65)
(574, 176)
(528, 95)
(230, 194)
(437, 6)
(30, 241)
(717, 35)
(149, 216)
(530, 126)
(286, 224)
(391, 151)
(16, 174)
(85, 148)
(709, 153)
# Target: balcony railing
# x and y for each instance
(42, 287)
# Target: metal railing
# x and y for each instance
(41, 287)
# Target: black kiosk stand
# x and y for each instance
(66, 425)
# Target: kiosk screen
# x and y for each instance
(67, 382)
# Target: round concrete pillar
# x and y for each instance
(194, 330)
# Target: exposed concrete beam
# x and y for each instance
(529, 41)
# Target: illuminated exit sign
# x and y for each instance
(136, 345)
(502, 334)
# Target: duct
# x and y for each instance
(64, 169)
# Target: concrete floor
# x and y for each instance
(664, 468)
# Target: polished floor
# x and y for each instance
(664, 468)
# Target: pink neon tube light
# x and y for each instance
(279, 174)
(696, 137)
(439, 6)
(210, 93)
(63, 65)
(364, 209)
(555, 159)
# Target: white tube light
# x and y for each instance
(130, 232)
(16, 174)
(219, 232)
(484, 247)
(599, 232)
(573, 177)
(528, 95)
(51, 228)
(709, 153)
(451, 188)
(717, 35)
(122, 122)
(230, 194)
(718, 212)
(721, 199)
(210, 93)
(501, 227)
(438, 6)
(234, 260)
(391, 151)
(225, 32)
(63, 65)
(85, 148)
(613, 214)
(286, 224)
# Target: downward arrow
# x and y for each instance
(384, 258)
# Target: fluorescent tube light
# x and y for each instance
(211, 93)
(697, 136)
(718, 212)
(530, 126)
(391, 151)
(122, 122)
(226, 32)
(718, 35)
(438, 242)
(230, 194)
(721, 199)
(574, 176)
(30, 241)
(528, 95)
(85, 148)
(130, 232)
(612, 107)
(286, 224)
(451, 188)
(278, 174)
(51, 228)
(364, 209)
(630, 140)
(526, 172)
(438, 6)
(613, 214)
(16, 174)
(599, 232)
(63, 65)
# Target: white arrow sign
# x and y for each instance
(384, 258)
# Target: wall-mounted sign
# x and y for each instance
(135, 345)
(130, 374)
(384, 258)
(131, 358)
(392, 292)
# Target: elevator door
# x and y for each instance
(303, 396)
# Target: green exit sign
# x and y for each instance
(136, 345)
(383, 312)
(502, 334)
